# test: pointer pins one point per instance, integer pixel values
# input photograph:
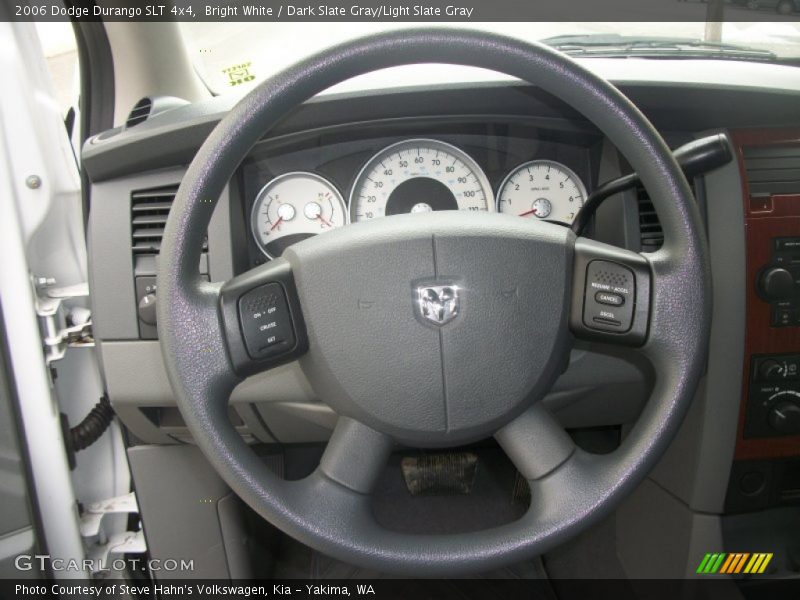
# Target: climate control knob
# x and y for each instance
(777, 284)
(785, 417)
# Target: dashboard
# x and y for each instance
(347, 157)
(362, 154)
(521, 170)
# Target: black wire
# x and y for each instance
(88, 431)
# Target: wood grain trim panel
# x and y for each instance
(765, 219)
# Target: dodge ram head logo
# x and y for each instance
(437, 304)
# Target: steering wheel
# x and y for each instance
(434, 330)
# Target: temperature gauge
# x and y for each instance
(293, 207)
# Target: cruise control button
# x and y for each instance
(266, 321)
(271, 340)
(609, 298)
(606, 321)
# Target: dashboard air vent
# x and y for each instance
(149, 212)
(772, 169)
(140, 112)
(650, 232)
(651, 235)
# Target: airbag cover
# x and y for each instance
(375, 357)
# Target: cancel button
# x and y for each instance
(609, 299)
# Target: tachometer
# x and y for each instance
(293, 207)
(419, 175)
(542, 189)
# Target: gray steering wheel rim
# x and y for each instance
(335, 519)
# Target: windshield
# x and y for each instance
(234, 56)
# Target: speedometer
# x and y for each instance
(419, 175)
(542, 189)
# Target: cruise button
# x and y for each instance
(266, 321)
(609, 299)
(606, 321)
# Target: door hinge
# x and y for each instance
(62, 325)
(102, 548)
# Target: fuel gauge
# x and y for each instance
(292, 207)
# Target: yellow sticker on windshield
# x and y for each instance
(239, 74)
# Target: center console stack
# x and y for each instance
(766, 471)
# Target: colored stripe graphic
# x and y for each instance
(730, 564)
(763, 566)
(759, 562)
(711, 562)
(754, 560)
(727, 564)
(714, 567)
(735, 558)
(740, 563)
(734, 563)
(703, 563)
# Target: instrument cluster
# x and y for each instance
(414, 175)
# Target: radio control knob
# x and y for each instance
(785, 417)
(771, 369)
(777, 284)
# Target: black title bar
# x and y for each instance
(400, 11)
(388, 589)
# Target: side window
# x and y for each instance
(58, 45)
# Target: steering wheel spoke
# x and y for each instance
(610, 294)
(535, 443)
(356, 455)
(261, 318)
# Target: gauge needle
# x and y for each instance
(322, 220)
(528, 212)
(278, 222)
